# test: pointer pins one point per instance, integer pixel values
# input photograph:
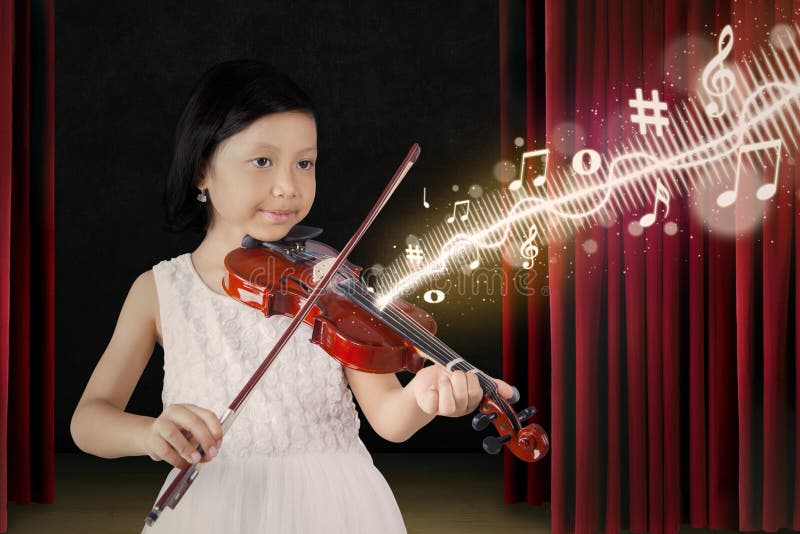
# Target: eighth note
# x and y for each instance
(662, 195)
(475, 261)
(765, 191)
(463, 217)
(468, 246)
(424, 202)
(539, 180)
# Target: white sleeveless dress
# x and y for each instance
(292, 462)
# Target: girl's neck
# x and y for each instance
(215, 246)
(209, 256)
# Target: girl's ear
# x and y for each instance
(200, 183)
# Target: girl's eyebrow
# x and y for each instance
(267, 145)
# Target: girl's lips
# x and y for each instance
(277, 215)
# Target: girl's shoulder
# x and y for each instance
(167, 279)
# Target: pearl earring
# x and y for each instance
(201, 196)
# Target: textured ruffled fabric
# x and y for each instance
(293, 460)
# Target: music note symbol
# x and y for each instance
(455, 207)
(528, 249)
(415, 254)
(424, 202)
(467, 245)
(765, 191)
(476, 261)
(581, 166)
(539, 180)
(722, 80)
(662, 195)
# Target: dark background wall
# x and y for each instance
(382, 74)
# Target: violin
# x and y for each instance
(311, 283)
(277, 277)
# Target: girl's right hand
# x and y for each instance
(174, 435)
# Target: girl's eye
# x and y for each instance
(261, 162)
(306, 164)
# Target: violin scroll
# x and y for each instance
(528, 443)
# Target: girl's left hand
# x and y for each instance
(450, 393)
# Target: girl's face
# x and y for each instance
(261, 180)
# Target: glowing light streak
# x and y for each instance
(697, 144)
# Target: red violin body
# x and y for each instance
(278, 279)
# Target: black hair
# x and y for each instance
(226, 100)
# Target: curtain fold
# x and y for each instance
(664, 364)
(27, 239)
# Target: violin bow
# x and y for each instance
(172, 496)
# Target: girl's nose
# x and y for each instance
(283, 186)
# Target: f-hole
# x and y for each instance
(285, 279)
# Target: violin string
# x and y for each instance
(424, 335)
(428, 341)
(424, 338)
(413, 328)
(421, 334)
(490, 387)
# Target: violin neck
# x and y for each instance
(432, 347)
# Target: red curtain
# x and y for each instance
(665, 367)
(26, 253)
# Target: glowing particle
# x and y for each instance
(781, 36)
(505, 171)
(634, 228)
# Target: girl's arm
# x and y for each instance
(396, 412)
(100, 425)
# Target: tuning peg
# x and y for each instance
(482, 420)
(526, 413)
(493, 444)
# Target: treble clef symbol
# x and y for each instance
(722, 79)
(528, 250)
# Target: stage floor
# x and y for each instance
(458, 493)
(437, 493)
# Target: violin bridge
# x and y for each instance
(322, 268)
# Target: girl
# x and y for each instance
(244, 163)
